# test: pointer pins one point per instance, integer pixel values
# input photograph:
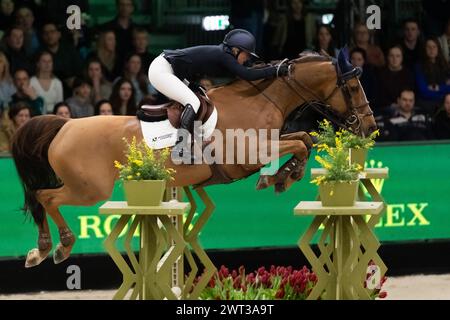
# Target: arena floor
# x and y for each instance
(418, 287)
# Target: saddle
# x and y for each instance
(172, 111)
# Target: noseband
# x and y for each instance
(353, 117)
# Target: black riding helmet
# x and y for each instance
(241, 39)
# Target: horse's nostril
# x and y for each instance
(372, 129)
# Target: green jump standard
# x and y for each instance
(347, 244)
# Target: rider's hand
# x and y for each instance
(283, 71)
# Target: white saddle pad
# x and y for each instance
(161, 134)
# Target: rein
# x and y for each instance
(321, 105)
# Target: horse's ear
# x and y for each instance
(343, 60)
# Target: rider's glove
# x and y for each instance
(283, 70)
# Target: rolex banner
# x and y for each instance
(417, 193)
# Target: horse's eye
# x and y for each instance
(354, 89)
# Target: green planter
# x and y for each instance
(338, 194)
(358, 156)
(144, 192)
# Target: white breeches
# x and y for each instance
(161, 76)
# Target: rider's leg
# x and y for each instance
(162, 77)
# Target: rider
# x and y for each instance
(173, 71)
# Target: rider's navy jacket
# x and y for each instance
(196, 62)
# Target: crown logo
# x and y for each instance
(377, 183)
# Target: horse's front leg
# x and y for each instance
(299, 144)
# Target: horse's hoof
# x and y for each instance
(61, 253)
(263, 183)
(298, 174)
(35, 257)
(280, 187)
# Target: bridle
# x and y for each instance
(353, 117)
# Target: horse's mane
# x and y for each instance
(311, 56)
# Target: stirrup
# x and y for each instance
(178, 152)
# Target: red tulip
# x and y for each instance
(261, 271)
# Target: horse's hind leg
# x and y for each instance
(39, 254)
(76, 192)
(66, 237)
(51, 199)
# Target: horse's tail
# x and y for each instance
(30, 152)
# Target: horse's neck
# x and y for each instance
(269, 90)
(277, 94)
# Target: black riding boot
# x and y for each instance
(187, 123)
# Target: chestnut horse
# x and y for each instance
(71, 162)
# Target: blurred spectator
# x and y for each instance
(104, 108)
(361, 39)
(133, 72)
(249, 15)
(432, 75)
(411, 43)
(81, 39)
(324, 41)
(25, 20)
(80, 103)
(442, 120)
(436, 13)
(45, 83)
(26, 93)
(140, 45)
(407, 123)
(107, 55)
(67, 63)
(296, 30)
(62, 109)
(122, 25)
(34, 5)
(19, 114)
(7, 88)
(444, 41)
(275, 31)
(101, 88)
(206, 83)
(6, 14)
(14, 50)
(358, 58)
(393, 79)
(122, 98)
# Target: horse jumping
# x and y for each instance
(71, 162)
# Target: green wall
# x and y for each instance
(418, 193)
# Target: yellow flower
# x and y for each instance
(138, 174)
(338, 143)
(374, 134)
(323, 162)
(130, 177)
(118, 165)
(139, 163)
(323, 147)
(319, 180)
